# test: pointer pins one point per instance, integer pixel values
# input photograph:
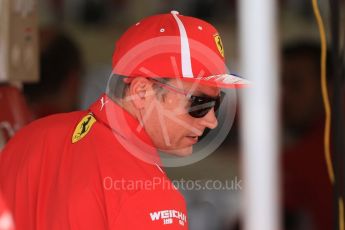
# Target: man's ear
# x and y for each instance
(139, 91)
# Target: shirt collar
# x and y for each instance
(126, 129)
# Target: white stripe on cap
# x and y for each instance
(185, 51)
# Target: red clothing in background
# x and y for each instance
(307, 187)
(6, 222)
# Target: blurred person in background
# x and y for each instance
(61, 68)
(306, 185)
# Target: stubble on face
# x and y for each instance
(169, 125)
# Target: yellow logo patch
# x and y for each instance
(83, 128)
(219, 44)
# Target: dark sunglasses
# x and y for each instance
(199, 105)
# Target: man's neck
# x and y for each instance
(127, 106)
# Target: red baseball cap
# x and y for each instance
(174, 46)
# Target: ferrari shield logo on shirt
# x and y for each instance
(169, 217)
(219, 44)
(83, 128)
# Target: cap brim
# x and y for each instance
(221, 81)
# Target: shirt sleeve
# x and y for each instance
(153, 210)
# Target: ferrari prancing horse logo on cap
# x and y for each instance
(83, 128)
(219, 44)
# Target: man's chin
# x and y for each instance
(180, 152)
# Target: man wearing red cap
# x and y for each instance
(99, 169)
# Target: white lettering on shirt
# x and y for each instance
(167, 216)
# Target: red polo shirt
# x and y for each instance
(77, 171)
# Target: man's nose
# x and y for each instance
(209, 120)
